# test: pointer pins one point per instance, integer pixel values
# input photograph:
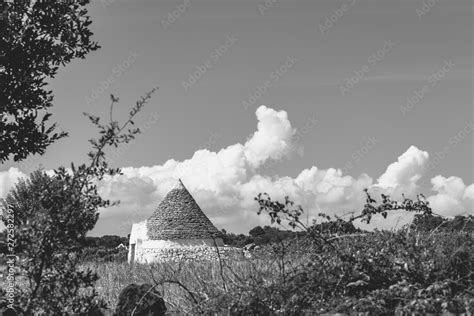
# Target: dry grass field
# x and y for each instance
(187, 287)
(381, 273)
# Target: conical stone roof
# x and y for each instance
(178, 216)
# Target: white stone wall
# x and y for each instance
(190, 253)
(147, 251)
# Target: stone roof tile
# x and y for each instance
(178, 216)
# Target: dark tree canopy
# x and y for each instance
(430, 223)
(36, 38)
(257, 231)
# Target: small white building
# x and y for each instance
(178, 228)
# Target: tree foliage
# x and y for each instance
(37, 37)
(257, 231)
(432, 223)
(52, 214)
(408, 271)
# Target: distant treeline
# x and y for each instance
(106, 246)
(104, 249)
(430, 223)
(267, 234)
(106, 241)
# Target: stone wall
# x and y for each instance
(147, 250)
(149, 255)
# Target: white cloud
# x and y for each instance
(469, 193)
(8, 180)
(272, 138)
(402, 176)
(225, 183)
(452, 186)
(330, 190)
(453, 197)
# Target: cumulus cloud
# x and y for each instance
(453, 197)
(272, 139)
(402, 176)
(330, 190)
(225, 183)
(469, 193)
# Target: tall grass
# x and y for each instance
(380, 273)
(186, 286)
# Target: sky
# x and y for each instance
(316, 100)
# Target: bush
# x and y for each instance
(104, 254)
(380, 273)
(429, 222)
(52, 215)
(325, 271)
